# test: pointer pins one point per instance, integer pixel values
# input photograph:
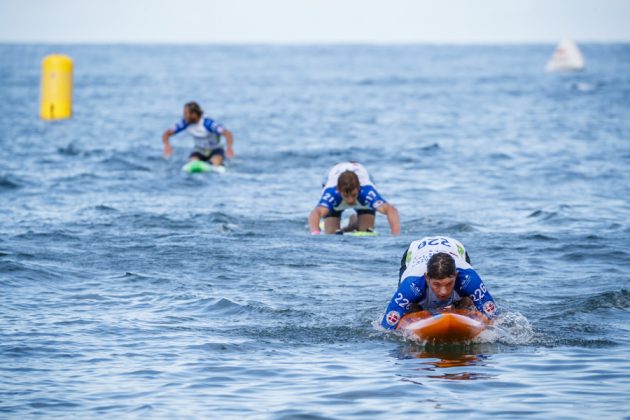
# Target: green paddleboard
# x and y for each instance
(197, 166)
(361, 233)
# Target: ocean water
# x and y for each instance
(129, 289)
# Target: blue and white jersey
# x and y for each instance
(206, 132)
(413, 288)
(368, 198)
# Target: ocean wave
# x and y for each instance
(121, 164)
(9, 182)
(617, 299)
(69, 150)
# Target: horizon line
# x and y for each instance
(309, 43)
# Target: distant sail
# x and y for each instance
(566, 57)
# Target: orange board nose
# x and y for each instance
(444, 326)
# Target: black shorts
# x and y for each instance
(333, 213)
(206, 157)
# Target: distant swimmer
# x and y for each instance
(435, 273)
(348, 185)
(207, 134)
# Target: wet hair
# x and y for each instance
(441, 266)
(347, 182)
(194, 108)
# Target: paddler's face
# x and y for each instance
(190, 117)
(350, 197)
(442, 288)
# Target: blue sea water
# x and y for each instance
(130, 289)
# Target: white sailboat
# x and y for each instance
(566, 57)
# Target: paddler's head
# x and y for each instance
(441, 275)
(348, 186)
(192, 112)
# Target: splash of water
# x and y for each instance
(511, 328)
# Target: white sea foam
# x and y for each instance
(510, 328)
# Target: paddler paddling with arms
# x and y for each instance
(435, 273)
(207, 134)
(348, 185)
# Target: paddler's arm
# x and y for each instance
(315, 217)
(168, 149)
(392, 217)
(476, 290)
(409, 292)
(229, 139)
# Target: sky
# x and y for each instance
(313, 21)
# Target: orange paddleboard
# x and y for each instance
(445, 325)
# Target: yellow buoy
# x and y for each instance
(56, 95)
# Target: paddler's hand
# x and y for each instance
(230, 153)
(168, 150)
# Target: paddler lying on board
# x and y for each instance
(207, 134)
(348, 185)
(435, 273)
